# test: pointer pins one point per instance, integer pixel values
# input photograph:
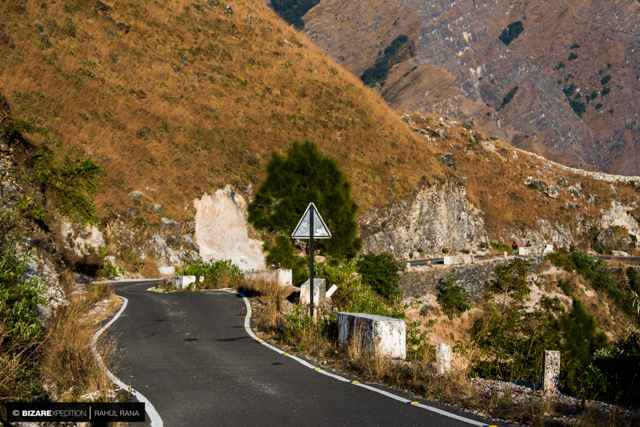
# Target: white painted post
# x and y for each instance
(551, 371)
(331, 291)
(443, 358)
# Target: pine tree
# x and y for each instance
(306, 175)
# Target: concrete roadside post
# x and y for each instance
(443, 358)
(551, 372)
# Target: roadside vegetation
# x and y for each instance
(49, 358)
(502, 336)
(513, 336)
(45, 346)
(507, 343)
(212, 275)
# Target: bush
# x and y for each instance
(452, 298)
(381, 272)
(595, 272)
(293, 11)
(213, 275)
(513, 342)
(20, 298)
(619, 366)
(109, 271)
(20, 329)
(500, 247)
(401, 48)
(511, 279)
(353, 295)
(71, 184)
(511, 33)
(418, 346)
(306, 175)
(581, 340)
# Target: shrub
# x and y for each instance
(306, 175)
(353, 295)
(513, 342)
(511, 33)
(500, 247)
(381, 272)
(20, 298)
(109, 271)
(71, 183)
(619, 366)
(401, 48)
(20, 329)
(293, 11)
(511, 279)
(595, 272)
(452, 298)
(581, 340)
(213, 275)
(418, 346)
(508, 98)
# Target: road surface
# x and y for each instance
(190, 355)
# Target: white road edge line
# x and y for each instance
(247, 327)
(154, 416)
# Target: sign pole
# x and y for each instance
(311, 263)
(306, 230)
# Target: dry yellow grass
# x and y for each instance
(69, 368)
(272, 297)
(176, 98)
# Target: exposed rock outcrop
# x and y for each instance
(439, 219)
(222, 231)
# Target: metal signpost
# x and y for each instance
(310, 227)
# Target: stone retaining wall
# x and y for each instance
(473, 278)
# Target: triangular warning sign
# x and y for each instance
(320, 229)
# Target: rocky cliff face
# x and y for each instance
(439, 219)
(222, 231)
(558, 78)
(498, 193)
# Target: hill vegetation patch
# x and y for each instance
(400, 49)
(512, 32)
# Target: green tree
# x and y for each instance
(581, 340)
(281, 254)
(306, 175)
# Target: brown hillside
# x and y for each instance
(557, 77)
(176, 98)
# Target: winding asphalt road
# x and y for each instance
(190, 355)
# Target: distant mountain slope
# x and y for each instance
(560, 78)
(176, 98)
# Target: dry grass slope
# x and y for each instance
(176, 97)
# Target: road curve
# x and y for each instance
(190, 355)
